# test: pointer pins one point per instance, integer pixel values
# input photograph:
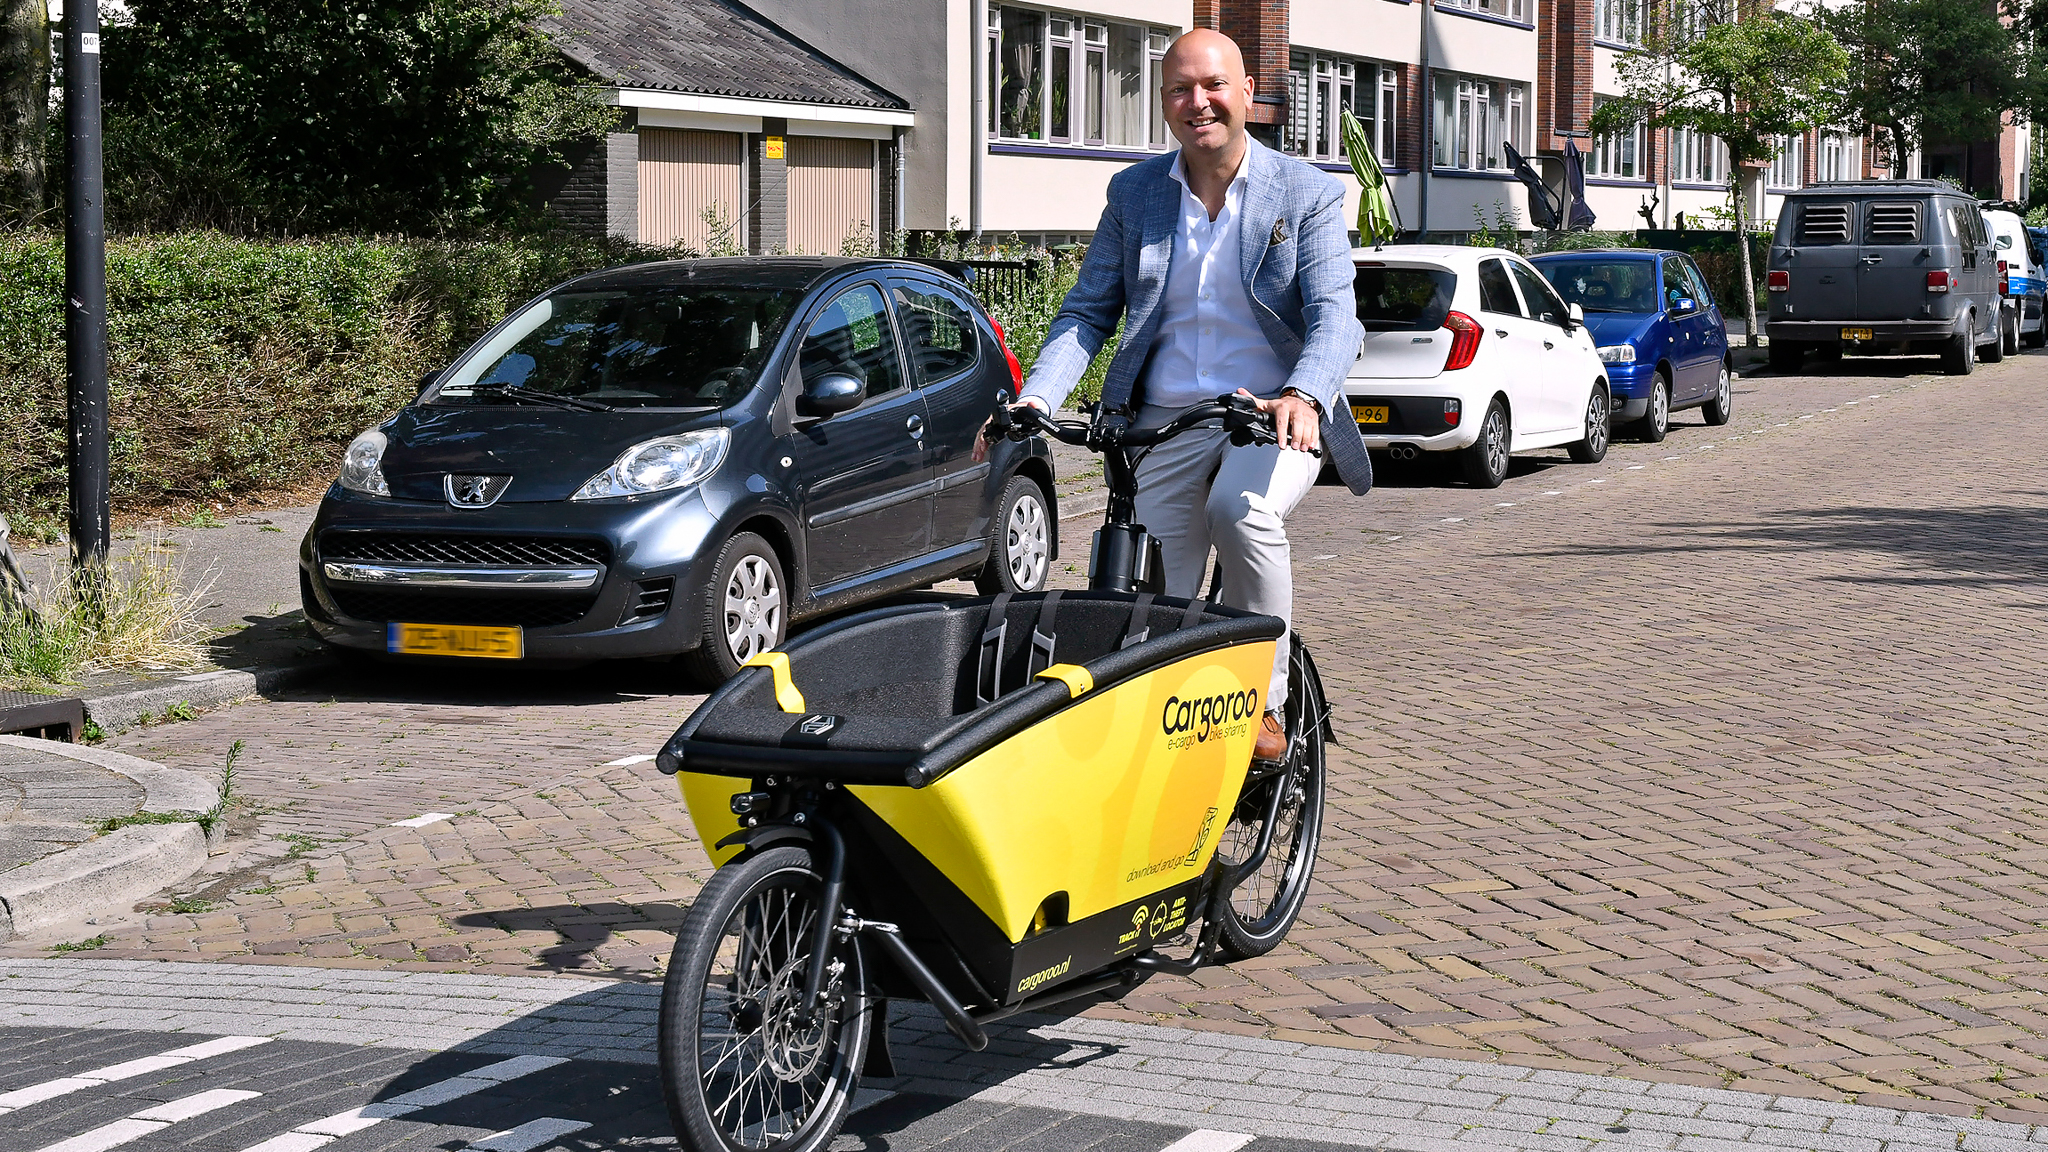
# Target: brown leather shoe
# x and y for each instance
(1272, 743)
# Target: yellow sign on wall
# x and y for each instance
(774, 151)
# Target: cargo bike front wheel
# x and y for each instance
(743, 1066)
(1269, 897)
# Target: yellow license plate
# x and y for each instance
(455, 640)
(1855, 333)
(1371, 413)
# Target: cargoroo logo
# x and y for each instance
(1203, 715)
(1053, 973)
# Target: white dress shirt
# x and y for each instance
(1209, 339)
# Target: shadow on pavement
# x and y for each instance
(1985, 546)
(482, 684)
(584, 928)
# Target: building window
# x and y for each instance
(1390, 91)
(1319, 88)
(1069, 79)
(1788, 168)
(1618, 21)
(1618, 157)
(1516, 10)
(1697, 158)
(1841, 157)
(1474, 117)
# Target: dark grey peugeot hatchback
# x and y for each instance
(684, 458)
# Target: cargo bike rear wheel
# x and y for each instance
(743, 1066)
(1267, 902)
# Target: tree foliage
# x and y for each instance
(304, 115)
(1928, 72)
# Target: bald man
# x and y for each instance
(1231, 269)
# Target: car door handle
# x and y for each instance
(1873, 259)
(1501, 333)
(1547, 345)
(916, 426)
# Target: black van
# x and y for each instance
(1883, 268)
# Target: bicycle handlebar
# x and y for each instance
(1239, 414)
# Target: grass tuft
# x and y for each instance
(80, 945)
(139, 617)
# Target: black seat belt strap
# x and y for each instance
(1140, 628)
(1043, 637)
(1193, 616)
(990, 663)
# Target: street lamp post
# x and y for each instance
(85, 287)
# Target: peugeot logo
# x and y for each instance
(471, 491)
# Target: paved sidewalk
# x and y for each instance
(1109, 1068)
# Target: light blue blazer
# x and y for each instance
(1296, 259)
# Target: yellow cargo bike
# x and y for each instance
(994, 805)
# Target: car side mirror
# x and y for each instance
(426, 382)
(1684, 306)
(1575, 316)
(831, 394)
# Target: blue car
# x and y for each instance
(1660, 334)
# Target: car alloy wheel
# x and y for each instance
(1722, 406)
(753, 609)
(1593, 447)
(1485, 462)
(1660, 409)
(1026, 545)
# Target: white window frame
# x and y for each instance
(1619, 21)
(1474, 116)
(1788, 166)
(1515, 10)
(1319, 85)
(1085, 37)
(1619, 157)
(1697, 158)
(1840, 158)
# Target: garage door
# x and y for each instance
(682, 173)
(831, 193)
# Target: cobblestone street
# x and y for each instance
(1720, 763)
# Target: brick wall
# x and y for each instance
(1260, 28)
(1410, 107)
(768, 189)
(600, 192)
(1564, 70)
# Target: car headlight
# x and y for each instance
(1618, 353)
(659, 465)
(362, 466)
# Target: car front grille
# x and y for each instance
(436, 548)
(384, 606)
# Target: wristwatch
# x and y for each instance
(1314, 403)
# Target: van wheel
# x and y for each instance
(2010, 332)
(1993, 352)
(1593, 448)
(1486, 461)
(1786, 356)
(1657, 420)
(2039, 336)
(746, 611)
(1961, 357)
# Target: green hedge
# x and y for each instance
(239, 365)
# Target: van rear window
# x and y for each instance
(1404, 299)
(1823, 224)
(1893, 224)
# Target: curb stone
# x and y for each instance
(121, 867)
(123, 708)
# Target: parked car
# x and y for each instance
(684, 458)
(1658, 330)
(1469, 350)
(1883, 268)
(2020, 279)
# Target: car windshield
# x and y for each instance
(1604, 285)
(697, 347)
(1404, 299)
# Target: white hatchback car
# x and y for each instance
(1469, 350)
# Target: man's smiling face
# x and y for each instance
(1206, 93)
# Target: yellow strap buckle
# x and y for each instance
(787, 697)
(1075, 677)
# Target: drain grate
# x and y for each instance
(44, 717)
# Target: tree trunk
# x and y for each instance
(1742, 242)
(24, 107)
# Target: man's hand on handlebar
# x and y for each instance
(1296, 422)
(981, 437)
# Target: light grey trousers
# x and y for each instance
(1197, 491)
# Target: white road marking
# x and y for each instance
(1637, 467)
(1553, 492)
(1601, 480)
(49, 1089)
(627, 761)
(1454, 519)
(1503, 505)
(1209, 1140)
(150, 1120)
(424, 819)
(324, 1131)
(528, 1136)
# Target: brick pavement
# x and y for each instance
(1717, 765)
